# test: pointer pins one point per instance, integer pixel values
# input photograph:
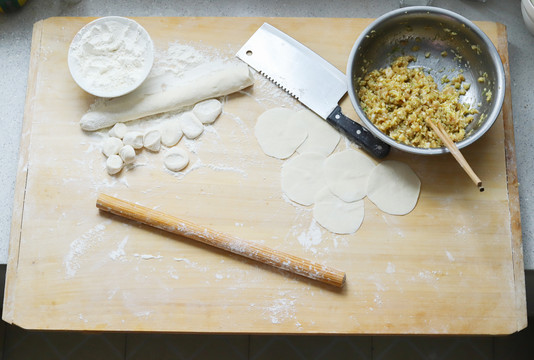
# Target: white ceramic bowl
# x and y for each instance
(527, 9)
(111, 56)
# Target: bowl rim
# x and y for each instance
(80, 80)
(494, 54)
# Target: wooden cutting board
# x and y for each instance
(452, 266)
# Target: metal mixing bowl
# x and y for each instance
(423, 30)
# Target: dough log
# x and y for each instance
(208, 83)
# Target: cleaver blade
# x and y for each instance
(309, 78)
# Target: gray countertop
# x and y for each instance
(15, 40)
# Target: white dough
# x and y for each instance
(127, 154)
(111, 146)
(190, 125)
(346, 174)
(393, 187)
(322, 138)
(208, 111)
(118, 130)
(303, 177)
(176, 160)
(279, 133)
(204, 82)
(114, 164)
(336, 215)
(171, 133)
(133, 138)
(152, 140)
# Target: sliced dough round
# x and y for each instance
(176, 160)
(111, 146)
(190, 125)
(303, 177)
(393, 187)
(171, 133)
(152, 140)
(336, 215)
(278, 134)
(346, 174)
(134, 139)
(322, 138)
(114, 164)
(118, 130)
(127, 154)
(208, 111)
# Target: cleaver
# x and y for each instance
(309, 78)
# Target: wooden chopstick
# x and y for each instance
(445, 138)
(226, 242)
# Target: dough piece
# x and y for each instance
(322, 138)
(133, 138)
(208, 111)
(336, 215)
(303, 177)
(190, 125)
(204, 82)
(279, 133)
(118, 130)
(393, 187)
(346, 174)
(152, 140)
(176, 160)
(111, 146)
(127, 154)
(114, 164)
(171, 133)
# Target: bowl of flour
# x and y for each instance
(111, 56)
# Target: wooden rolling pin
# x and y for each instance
(226, 242)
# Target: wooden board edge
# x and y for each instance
(20, 182)
(513, 185)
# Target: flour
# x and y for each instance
(110, 54)
(311, 237)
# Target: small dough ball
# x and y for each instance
(111, 146)
(171, 133)
(127, 154)
(322, 137)
(118, 130)
(346, 174)
(279, 133)
(393, 187)
(152, 140)
(133, 138)
(336, 215)
(190, 125)
(208, 111)
(303, 177)
(114, 164)
(176, 160)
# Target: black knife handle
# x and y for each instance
(358, 134)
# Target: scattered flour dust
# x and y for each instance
(311, 237)
(119, 252)
(282, 309)
(148, 256)
(390, 268)
(81, 245)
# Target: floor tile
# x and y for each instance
(310, 347)
(432, 348)
(3, 326)
(24, 344)
(191, 347)
(519, 346)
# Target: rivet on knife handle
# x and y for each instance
(358, 134)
